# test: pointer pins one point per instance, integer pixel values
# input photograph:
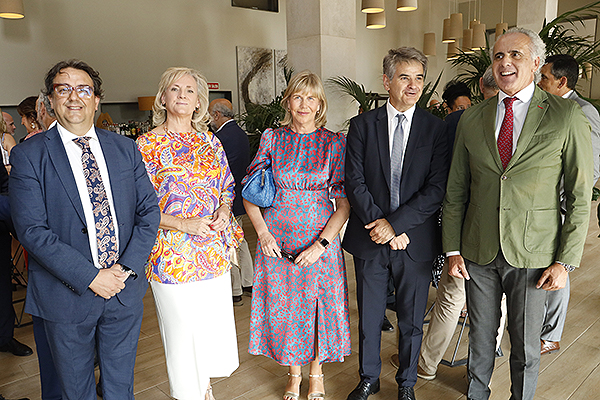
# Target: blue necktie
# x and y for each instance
(105, 231)
(396, 163)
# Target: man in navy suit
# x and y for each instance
(396, 171)
(85, 210)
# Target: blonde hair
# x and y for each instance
(3, 127)
(200, 115)
(308, 83)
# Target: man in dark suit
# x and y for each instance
(237, 149)
(502, 228)
(396, 170)
(86, 212)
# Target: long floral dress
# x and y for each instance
(288, 300)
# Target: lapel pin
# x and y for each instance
(540, 107)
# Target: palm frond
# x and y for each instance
(357, 91)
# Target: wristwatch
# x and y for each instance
(568, 268)
(324, 242)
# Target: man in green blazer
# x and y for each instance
(501, 223)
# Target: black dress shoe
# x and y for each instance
(4, 398)
(364, 390)
(16, 348)
(406, 393)
(387, 325)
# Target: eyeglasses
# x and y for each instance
(64, 90)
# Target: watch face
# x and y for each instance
(324, 242)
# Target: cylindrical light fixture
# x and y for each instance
(145, 103)
(446, 33)
(376, 20)
(472, 22)
(429, 44)
(452, 53)
(501, 28)
(406, 5)
(372, 6)
(478, 37)
(456, 26)
(12, 9)
(467, 42)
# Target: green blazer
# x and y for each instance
(518, 210)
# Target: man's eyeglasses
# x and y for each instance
(64, 90)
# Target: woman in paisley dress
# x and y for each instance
(188, 268)
(299, 312)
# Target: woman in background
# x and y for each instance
(300, 302)
(26, 110)
(188, 268)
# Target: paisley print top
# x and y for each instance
(191, 177)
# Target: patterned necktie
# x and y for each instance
(505, 137)
(396, 163)
(105, 231)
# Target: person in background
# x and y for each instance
(237, 148)
(189, 264)
(559, 77)
(299, 312)
(456, 96)
(7, 140)
(501, 224)
(28, 113)
(45, 114)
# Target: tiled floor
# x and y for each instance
(573, 373)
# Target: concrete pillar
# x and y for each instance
(321, 37)
(531, 13)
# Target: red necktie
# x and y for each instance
(505, 137)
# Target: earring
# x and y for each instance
(32, 125)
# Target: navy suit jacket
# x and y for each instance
(237, 149)
(422, 186)
(50, 223)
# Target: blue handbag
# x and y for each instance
(260, 188)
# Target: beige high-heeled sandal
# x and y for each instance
(291, 395)
(316, 395)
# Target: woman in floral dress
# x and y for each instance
(300, 305)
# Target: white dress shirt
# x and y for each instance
(74, 154)
(520, 107)
(393, 123)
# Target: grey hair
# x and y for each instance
(43, 99)
(488, 79)
(402, 54)
(537, 48)
(223, 109)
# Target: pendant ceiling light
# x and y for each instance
(502, 26)
(467, 42)
(478, 42)
(429, 44)
(406, 5)
(376, 20)
(12, 9)
(446, 32)
(429, 48)
(456, 26)
(452, 53)
(372, 6)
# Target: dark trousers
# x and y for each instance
(110, 328)
(411, 284)
(7, 312)
(51, 389)
(525, 306)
